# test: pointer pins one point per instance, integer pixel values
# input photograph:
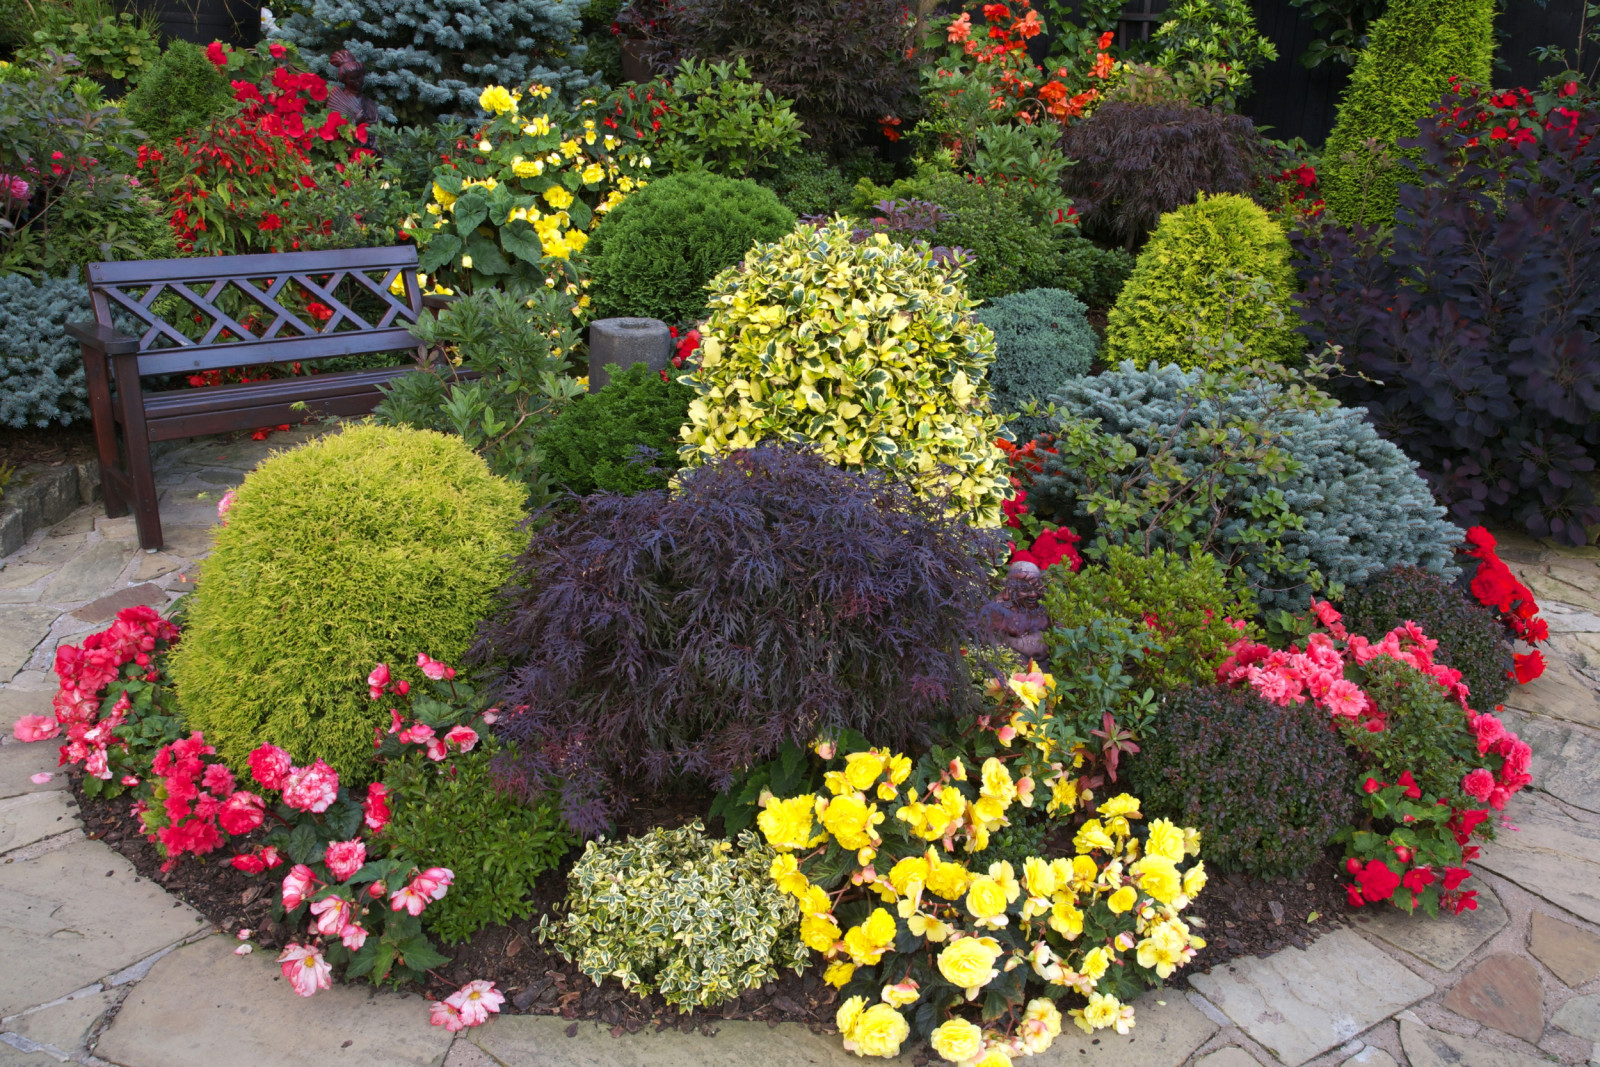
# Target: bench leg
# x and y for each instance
(136, 438)
(105, 429)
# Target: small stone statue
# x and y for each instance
(1014, 618)
(345, 95)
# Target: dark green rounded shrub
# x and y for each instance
(655, 252)
(1266, 786)
(1472, 639)
(1042, 340)
(1093, 274)
(594, 443)
(182, 91)
(506, 846)
(810, 185)
(367, 546)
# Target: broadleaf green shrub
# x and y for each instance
(1198, 33)
(1291, 492)
(866, 350)
(451, 816)
(1042, 339)
(367, 546)
(1093, 274)
(1471, 637)
(1413, 52)
(1266, 785)
(653, 254)
(809, 185)
(594, 444)
(1424, 731)
(675, 912)
(182, 91)
(1215, 278)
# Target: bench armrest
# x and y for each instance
(103, 338)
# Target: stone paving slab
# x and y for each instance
(19, 763)
(1427, 1047)
(542, 1041)
(1566, 758)
(1580, 1017)
(202, 1006)
(1166, 1031)
(35, 816)
(1442, 942)
(1560, 692)
(1371, 1056)
(21, 628)
(1502, 992)
(1300, 1003)
(1232, 1056)
(15, 703)
(11, 1057)
(1571, 953)
(76, 915)
(88, 574)
(1552, 854)
(68, 1025)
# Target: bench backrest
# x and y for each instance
(250, 310)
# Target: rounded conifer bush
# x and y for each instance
(182, 91)
(621, 439)
(1213, 286)
(655, 252)
(1042, 339)
(364, 547)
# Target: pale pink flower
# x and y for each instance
(297, 885)
(463, 737)
(491, 716)
(476, 1001)
(417, 734)
(130, 780)
(407, 897)
(224, 506)
(244, 950)
(305, 969)
(36, 728)
(353, 936)
(437, 750)
(332, 914)
(434, 881)
(96, 764)
(344, 858)
(244, 933)
(41, 778)
(378, 681)
(445, 1014)
(312, 788)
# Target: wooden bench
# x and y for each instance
(281, 326)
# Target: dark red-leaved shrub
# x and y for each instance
(1136, 162)
(1474, 325)
(690, 632)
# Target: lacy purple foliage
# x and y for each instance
(904, 216)
(692, 632)
(1476, 322)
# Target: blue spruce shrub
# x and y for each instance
(41, 372)
(1042, 340)
(429, 58)
(1363, 506)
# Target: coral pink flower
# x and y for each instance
(434, 881)
(332, 915)
(378, 681)
(1488, 730)
(36, 728)
(344, 858)
(270, 765)
(224, 506)
(437, 750)
(305, 969)
(241, 813)
(1345, 698)
(417, 734)
(433, 668)
(476, 1001)
(445, 1014)
(312, 788)
(297, 885)
(463, 737)
(375, 811)
(1478, 784)
(408, 898)
(353, 936)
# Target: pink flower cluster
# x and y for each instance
(312, 788)
(198, 801)
(471, 1005)
(84, 673)
(429, 885)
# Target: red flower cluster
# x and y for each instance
(1051, 547)
(1019, 84)
(198, 802)
(137, 634)
(1496, 587)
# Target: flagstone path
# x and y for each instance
(103, 967)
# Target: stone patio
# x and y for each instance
(102, 967)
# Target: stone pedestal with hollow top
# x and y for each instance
(624, 342)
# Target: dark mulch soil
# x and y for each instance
(1241, 916)
(58, 444)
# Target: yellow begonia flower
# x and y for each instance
(496, 100)
(594, 172)
(1063, 795)
(900, 994)
(1123, 899)
(528, 168)
(845, 1018)
(1065, 918)
(1096, 962)
(997, 782)
(1121, 804)
(1039, 876)
(569, 148)
(986, 900)
(969, 963)
(814, 900)
(1090, 836)
(558, 197)
(839, 973)
(957, 1040)
(1166, 840)
(1164, 949)
(1191, 841)
(538, 127)
(863, 768)
(445, 199)
(819, 932)
(1158, 878)
(1099, 1013)
(906, 871)
(1041, 1025)
(879, 1031)
(786, 873)
(993, 1056)
(1032, 685)
(851, 820)
(786, 824)
(899, 769)
(1194, 880)
(948, 880)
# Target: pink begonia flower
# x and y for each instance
(248, 862)
(218, 779)
(312, 788)
(375, 810)
(244, 950)
(463, 737)
(224, 506)
(434, 881)
(332, 915)
(1345, 698)
(344, 858)
(437, 750)
(242, 813)
(408, 898)
(306, 970)
(353, 936)
(297, 885)
(476, 1001)
(270, 765)
(445, 1014)
(433, 668)
(97, 766)
(378, 681)
(491, 716)
(1488, 730)
(41, 778)
(130, 780)
(417, 734)
(36, 728)
(244, 933)
(271, 856)
(1478, 784)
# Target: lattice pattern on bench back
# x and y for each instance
(205, 313)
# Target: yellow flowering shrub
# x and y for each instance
(867, 350)
(920, 928)
(517, 200)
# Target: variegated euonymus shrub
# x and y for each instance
(867, 350)
(696, 919)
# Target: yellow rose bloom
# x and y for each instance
(819, 932)
(948, 880)
(1166, 840)
(861, 769)
(786, 824)
(1194, 880)
(878, 1031)
(496, 100)
(969, 963)
(850, 820)
(956, 1040)
(986, 900)
(839, 973)
(1123, 899)
(903, 873)
(1121, 804)
(1091, 836)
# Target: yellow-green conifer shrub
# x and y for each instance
(363, 547)
(1212, 287)
(867, 350)
(1414, 51)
